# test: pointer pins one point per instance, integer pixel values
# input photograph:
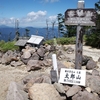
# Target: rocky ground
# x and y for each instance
(10, 74)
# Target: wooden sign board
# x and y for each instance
(84, 17)
(72, 76)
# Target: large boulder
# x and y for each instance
(34, 65)
(73, 90)
(8, 57)
(15, 64)
(85, 60)
(16, 92)
(85, 96)
(44, 78)
(91, 64)
(59, 87)
(93, 82)
(26, 54)
(43, 91)
(41, 52)
(35, 56)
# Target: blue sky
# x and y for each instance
(35, 12)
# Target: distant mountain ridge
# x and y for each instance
(7, 32)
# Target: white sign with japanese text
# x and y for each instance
(72, 76)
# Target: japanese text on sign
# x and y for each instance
(84, 17)
(72, 76)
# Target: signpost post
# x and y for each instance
(79, 40)
(80, 17)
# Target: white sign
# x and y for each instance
(72, 76)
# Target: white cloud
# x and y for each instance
(7, 21)
(39, 13)
(53, 18)
(36, 19)
(32, 17)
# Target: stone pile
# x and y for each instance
(38, 84)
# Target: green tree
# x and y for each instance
(71, 30)
(61, 26)
(65, 30)
(93, 39)
(97, 7)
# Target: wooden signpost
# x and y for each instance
(80, 17)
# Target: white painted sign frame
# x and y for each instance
(72, 76)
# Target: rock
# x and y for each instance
(1, 54)
(88, 89)
(47, 48)
(31, 50)
(98, 64)
(61, 57)
(8, 57)
(43, 91)
(69, 50)
(35, 56)
(47, 62)
(37, 75)
(93, 82)
(33, 65)
(26, 54)
(52, 48)
(59, 53)
(68, 64)
(65, 47)
(25, 61)
(41, 52)
(66, 88)
(73, 90)
(44, 78)
(91, 64)
(49, 55)
(85, 60)
(60, 65)
(83, 67)
(59, 87)
(95, 72)
(16, 92)
(99, 59)
(15, 64)
(85, 96)
(31, 82)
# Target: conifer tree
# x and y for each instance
(93, 39)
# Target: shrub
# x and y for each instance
(62, 41)
(93, 39)
(5, 46)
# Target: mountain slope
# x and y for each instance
(7, 33)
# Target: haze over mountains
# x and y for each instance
(7, 32)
